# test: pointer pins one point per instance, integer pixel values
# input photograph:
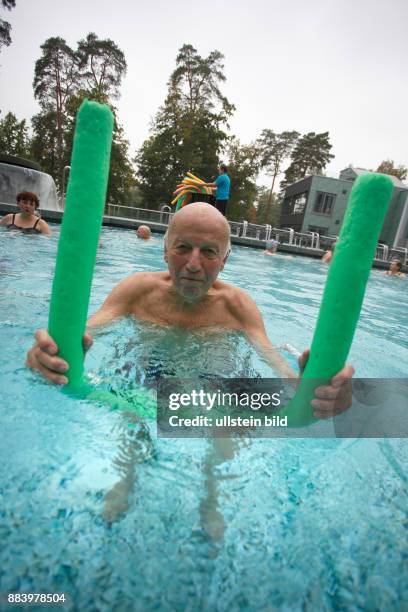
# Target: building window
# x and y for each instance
(299, 203)
(324, 203)
(295, 205)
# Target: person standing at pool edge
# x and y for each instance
(189, 295)
(222, 186)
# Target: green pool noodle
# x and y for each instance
(79, 237)
(344, 291)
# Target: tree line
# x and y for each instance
(189, 131)
(63, 78)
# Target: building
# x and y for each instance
(318, 204)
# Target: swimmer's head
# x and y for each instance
(143, 231)
(272, 246)
(201, 216)
(395, 265)
(196, 247)
(28, 197)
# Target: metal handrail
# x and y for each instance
(400, 253)
(381, 252)
(66, 170)
(262, 233)
(166, 210)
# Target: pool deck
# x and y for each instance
(132, 224)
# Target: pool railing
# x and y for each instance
(243, 233)
(254, 234)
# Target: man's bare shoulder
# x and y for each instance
(237, 300)
(142, 282)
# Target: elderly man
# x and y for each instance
(143, 232)
(187, 295)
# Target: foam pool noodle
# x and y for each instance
(344, 291)
(79, 237)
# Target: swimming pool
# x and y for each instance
(118, 519)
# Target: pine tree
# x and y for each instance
(310, 156)
(5, 27)
(187, 132)
(14, 139)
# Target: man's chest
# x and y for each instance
(162, 312)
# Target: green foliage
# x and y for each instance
(44, 149)
(310, 156)
(186, 133)
(55, 79)
(122, 178)
(197, 79)
(14, 139)
(55, 74)
(5, 27)
(63, 78)
(268, 212)
(275, 148)
(387, 167)
(102, 65)
(243, 167)
(121, 173)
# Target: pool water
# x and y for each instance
(120, 520)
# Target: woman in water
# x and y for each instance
(26, 220)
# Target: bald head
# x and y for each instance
(200, 216)
(143, 231)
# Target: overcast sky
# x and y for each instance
(318, 65)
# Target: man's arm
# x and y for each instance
(211, 185)
(250, 318)
(43, 355)
(329, 400)
(118, 302)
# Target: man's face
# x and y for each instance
(195, 255)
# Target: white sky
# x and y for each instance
(311, 66)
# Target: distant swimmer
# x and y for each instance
(143, 231)
(271, 247)
(327, 257)
(395, 269)
(26, 221)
